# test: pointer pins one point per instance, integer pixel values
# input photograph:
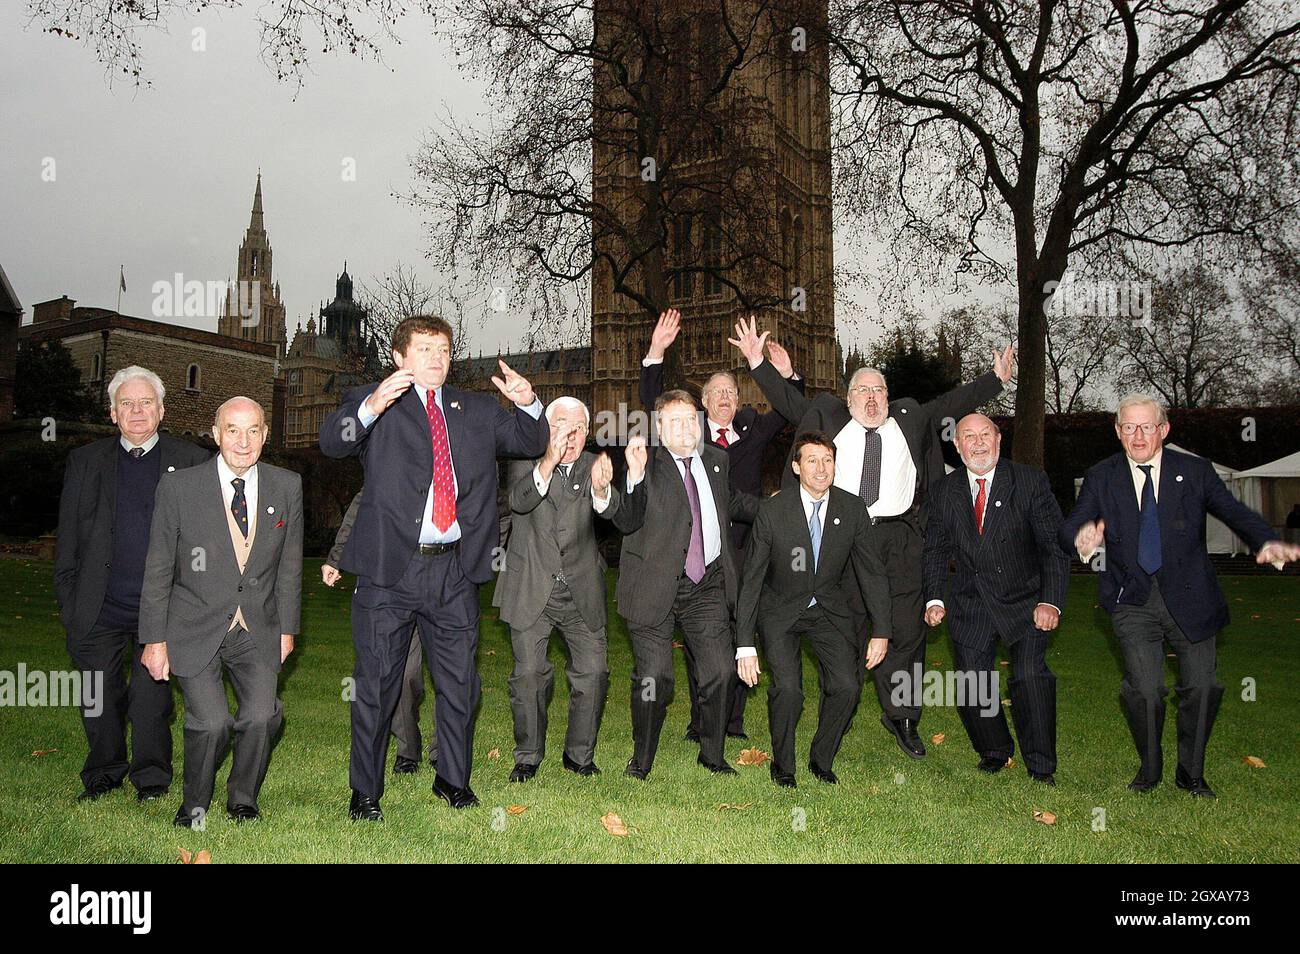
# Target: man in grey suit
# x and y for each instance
(679, 567)
(406, 717)
(223, 590)
(554, 576)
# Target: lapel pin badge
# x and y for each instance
(576, 487)
(170, 468)
(997, 503)
(455, 405)
(1179, 478)
(836, 521)
(717, 469)
(270, 510)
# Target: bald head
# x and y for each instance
(240, 432)
(979, 442)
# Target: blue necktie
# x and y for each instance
(1149, 528)
(815, 531)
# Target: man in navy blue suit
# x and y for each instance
(1145, 510)
(423, 542)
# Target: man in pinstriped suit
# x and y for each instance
(998, 521)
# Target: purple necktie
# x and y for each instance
(694, 555)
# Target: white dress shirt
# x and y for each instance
(1140, 477)
(708, 509)
(147, 445)
(897, 470)
(597, 504)
(715, 429)
(250, 488)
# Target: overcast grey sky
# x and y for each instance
(160, 180)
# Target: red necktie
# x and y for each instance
(980, 498)
(444, 483)
(722, 438)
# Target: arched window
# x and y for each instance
(193, 378)
(96, 367)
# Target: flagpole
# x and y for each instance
(119, 288)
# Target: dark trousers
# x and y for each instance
(1142, 632)
(838, 679)
(533, 680)
(143, 702)
(434, 594)
(1032, 688)
(406, 717)
(209, 724)
(898, 543)
(701, 611)
(739, 692)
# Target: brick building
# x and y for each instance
(199, 369)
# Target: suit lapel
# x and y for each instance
(998, 498)
(1167, 504)
(213, 510)
(108, 477)
(1127, 504)
(453, 410)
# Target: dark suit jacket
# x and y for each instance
(1005, 572)
(192, 583)
(397, 455)
(1189, 489)
(87, 511)
(550, 535)
(918, 422)
(756, 430)
(779, 580)
(656, 522)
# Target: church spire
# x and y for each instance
(255, 222)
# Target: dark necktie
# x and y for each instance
(695, 553)
(136, 452)
(239, 505)
(1149, 528)
(444, 483)
(869, 488)
(980, 500)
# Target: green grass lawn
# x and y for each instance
(886, 808)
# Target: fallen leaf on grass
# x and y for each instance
(937, 738)
(516, 809)
(494, 754)
(1254, 761)
(203, 857)
(491, 652)
(936, 663)
(752, 757)
(1006, 702)
(1047, 818)
(1005, 662)
(1010, 763)
(726, 806)
(614, 825)
(677, 645)
(42, 752)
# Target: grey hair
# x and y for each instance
(567, 401)
(216, 420)
(723, 374)
(1135, 398)
(861, 371)
(131, 374)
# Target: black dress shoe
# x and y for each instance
(186, 819)
(1046, 779)
(991, 765)
(823, 775)
(364, 808)
(522, 772)
(783, 779)
(721, 768)
(98, 787)
(455, 797)
(691, 736)
(904, 730)
(1142, 784)
(586, 771)
(737, 735)
(404, 766)
(242, 813)
(1197, 786)
(150, 792)
(635, 771)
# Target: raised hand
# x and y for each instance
(513, 385)
(749, 341)
(1089, 538)
(780, 359)
(390, 389)
(636, 456)
(665, 333)
(602, 474)
(1004, 363)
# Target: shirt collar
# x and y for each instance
(715, 427)
(971, 477)
(147, 445)
(1154, 462)
(808, 499)
(227, 475)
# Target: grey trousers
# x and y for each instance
(533, 680)
(406, 717)
(209, 724)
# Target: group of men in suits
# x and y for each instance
(192, 566)
(189, 565)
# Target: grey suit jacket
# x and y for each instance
(87, 512)
(550, 535)
(192, 584)
(656, 522)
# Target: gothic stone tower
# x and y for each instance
(254, 267)
(778, 104)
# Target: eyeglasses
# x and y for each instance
(723, 392)
(1128, 430)
(143, 404)
(876, 389)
